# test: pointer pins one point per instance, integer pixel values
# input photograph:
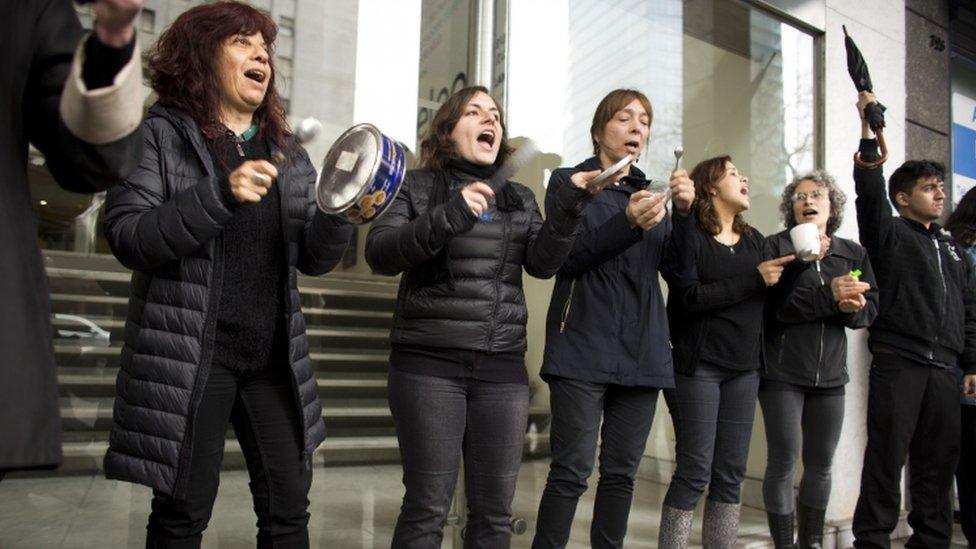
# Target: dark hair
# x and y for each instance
(823, 180)
(611, 103)
(436, 148)
(182, 66)
(904, 179)
(962, 222)
(705, 174)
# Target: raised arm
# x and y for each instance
(874, 219)
(694, 296)
(602, 234)
(551, 241)
(325, 237)
(403, 237)
(147, 227)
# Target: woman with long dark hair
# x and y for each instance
(962, 225)
(607, 354)
(805, 358)
(715, 306)
(216, 234)
(458, 384)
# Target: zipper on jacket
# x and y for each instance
(203, 370)
(296, 391)
(823, 329)
(782, 347)
(566, 306)
(501, 267)
(240, 149)
(945, 292)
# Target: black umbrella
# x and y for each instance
(857, 67)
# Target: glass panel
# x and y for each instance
(963, 128)
(722, 78)
(147, 21)
(286, 27)
(444, 36)
(331, 66)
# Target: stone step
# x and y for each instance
(101, 385)
(334, 360)
(334, 292)
(86, 457)
(86, 420)
(92, 329)
(114, 307)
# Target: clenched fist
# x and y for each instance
(251, 180)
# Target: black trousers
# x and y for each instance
(263, 410)
(966, 474)
(440, 421)
(913, 412)
(577, 410)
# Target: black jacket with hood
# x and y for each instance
(165, 222)
(927, 294)
(804, 338)
(607, 321)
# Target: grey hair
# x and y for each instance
(822, 179)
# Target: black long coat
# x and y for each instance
(165, 222)
(37, 38)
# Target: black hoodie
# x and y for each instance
(928, 292)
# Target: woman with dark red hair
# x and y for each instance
(215, 234)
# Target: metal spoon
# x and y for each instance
(307, 130)
(679, 151)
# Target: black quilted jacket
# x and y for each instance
(485, 311)
(165, 223)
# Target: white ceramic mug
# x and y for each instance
(806, 241)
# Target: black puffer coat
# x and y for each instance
(165, 222)
(485, 311)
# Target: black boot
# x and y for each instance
(781, 528)
(810, 523)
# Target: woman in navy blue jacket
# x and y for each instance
(607, 353)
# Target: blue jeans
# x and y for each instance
(438, 420)
(713, 411)
(577, 408)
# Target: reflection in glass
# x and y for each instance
(722, 78)
(444, 33)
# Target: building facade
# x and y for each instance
(762, 80)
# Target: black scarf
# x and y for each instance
(438, 268)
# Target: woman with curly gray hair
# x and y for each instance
(802, 387)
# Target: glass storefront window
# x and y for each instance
(379, 61)
(963, 128)
(444, 49)
(721, 77)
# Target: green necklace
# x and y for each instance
(247, 134)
